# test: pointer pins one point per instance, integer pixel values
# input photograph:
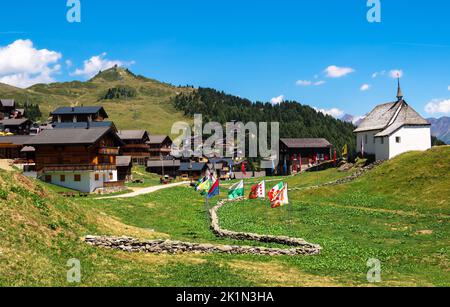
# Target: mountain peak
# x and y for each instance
(115, 73)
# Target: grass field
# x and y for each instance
(397, 213)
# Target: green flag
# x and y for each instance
(236, 191)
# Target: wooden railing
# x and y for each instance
(112, 151)
(78, 167)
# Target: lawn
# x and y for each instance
(397, 214)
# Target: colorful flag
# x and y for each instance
(362, 149)
(204, 187)
(281, 198)
(214, 190)
(202, 180)
(236, 191)
(258, 191)
(243, 169)
(345, 150)
(275, 190)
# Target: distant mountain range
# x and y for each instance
(352, 119)
(440, 127)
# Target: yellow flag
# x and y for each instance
(345, 150)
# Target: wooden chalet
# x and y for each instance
(309, 150)
(136, 145)
(160, 146)
(168, 167)
(16, 126)
(79, 159)
(12, 147)
(124, 168)
(193, 170)
(7, 108)
(79, 114)
(222, 167)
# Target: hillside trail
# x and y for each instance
(145, 191)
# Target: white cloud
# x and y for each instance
(22, 65)
(69, 63)
(98, 63)
(378, 73)
(396, 73)
(309, 83)
(277, 100)
(365, 87)
(338, 72)
(335, 112)
(448, 88)
(303, 83)
(438, 106)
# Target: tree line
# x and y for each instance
(296, 120)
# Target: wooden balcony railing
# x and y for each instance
(78, 167)
(110, 151)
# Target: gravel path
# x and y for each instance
(145, 191)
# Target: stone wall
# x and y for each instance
(299, 246)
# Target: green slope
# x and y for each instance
(149, 107)
(399, 213)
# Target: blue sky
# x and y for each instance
(254, 49)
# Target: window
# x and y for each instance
(398, 140)
(97, 177)
(382, 141)
(366, 139)
(111, 176)
(77, 178)
(48, 178)
(374, 140)
(62, 178)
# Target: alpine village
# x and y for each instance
(88, 171)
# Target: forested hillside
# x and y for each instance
(296, 120)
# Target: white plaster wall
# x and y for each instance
(88, 184)
(412, 139)
(370, 147)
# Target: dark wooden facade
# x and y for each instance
(136, 145)
(160, 146)
(309, 150)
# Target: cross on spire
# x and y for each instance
(399, 90)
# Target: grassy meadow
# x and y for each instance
(399, 213)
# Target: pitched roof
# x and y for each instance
(15, 140)
(195, 167)
(70, 136)
(80, 111)
(14, 122)
(7, 103)
(166, 163)
(390, 117)
(158, 139)
(123, 160)
(82, 125)
(132, 134)
(306, 143)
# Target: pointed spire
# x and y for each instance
(399, 91)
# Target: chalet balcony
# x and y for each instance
(78, 167)
(136, 146)
(162, 150)
(110, 151)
